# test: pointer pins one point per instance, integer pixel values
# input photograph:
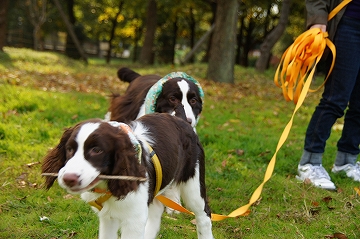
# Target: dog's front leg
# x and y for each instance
(156, 208)
(108, 228)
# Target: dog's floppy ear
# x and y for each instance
(55, 159)
(125, 163)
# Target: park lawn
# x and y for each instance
(42, 93)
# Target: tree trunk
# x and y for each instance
(173, 40)
(249, 41)
(262, 62)
(213, 5)
(70, 48)
(222, 51)
(4, 7)
(239, 41)
(71, 31)
(137, 37)
(192, 32)
(112, 33)
(146, 55)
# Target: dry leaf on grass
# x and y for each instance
(337, 235)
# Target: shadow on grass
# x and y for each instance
(5, 59)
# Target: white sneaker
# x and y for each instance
(317, 176)
(352, 171)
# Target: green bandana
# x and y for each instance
(156, 89)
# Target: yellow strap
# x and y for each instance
(98, 202)
(158, 169)
(338, 8)
(214, 217)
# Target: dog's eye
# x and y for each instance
(69, 150)
(173, 99)
(193, 101)
(96, 151)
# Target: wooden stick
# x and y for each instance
(131, 178)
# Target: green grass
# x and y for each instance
(42, 93)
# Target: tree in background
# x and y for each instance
(164, 32)
(147, 54)
(114, 22)
(71, 49)
(4, 4)
(37, 13)
(265, 48)
(222, 51)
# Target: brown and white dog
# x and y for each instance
(175, 88)
(96, 147)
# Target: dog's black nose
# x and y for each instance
(189, 120)
(71, 179)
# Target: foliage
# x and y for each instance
(239, 129)
(255, 20)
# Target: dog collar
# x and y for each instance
(156, 89)
(136, 144)
(98, 203)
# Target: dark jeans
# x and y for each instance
(342, 90)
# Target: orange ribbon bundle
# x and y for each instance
(298, 63)
(299, 60)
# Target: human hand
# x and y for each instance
(321, 26)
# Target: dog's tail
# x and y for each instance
(127, 75)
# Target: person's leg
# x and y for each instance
(348, 144)
(335, 98)
(338, 90)
(348, 53)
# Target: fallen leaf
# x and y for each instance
(307, 181)
(247, 213)
(315, 204)
(340, 235)
(240, 152)
(327, 199)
